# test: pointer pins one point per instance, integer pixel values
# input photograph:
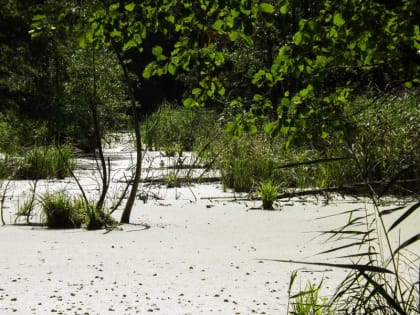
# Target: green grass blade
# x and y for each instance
(393, 180)
(390, 211)
(405, 215)
(384, 294)
(360, 268)
(366, 254)
(408, 242)
(347, 246)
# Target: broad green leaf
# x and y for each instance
(258, 76)
(284, 9)
(188, 102)
(130, 44)
(285, 102)
(171, 68)
(196, 91)
(234, 13)
(408, 84)
(233, 35)
(230, 21)
(221, 91)
(114, 7)
(269, 76)
(338, 19)
(284, 129)
(89, 34)
(258, 97)
(39, 17)
(171, 19)
(34, 34)
(266, 8)
(271, 128)
(115, 33)
(148, 71)
(252, 129)
(82, 41)
(210, 92)
(157, 50)
(297, 38)
(130, 6)
(218, 25)
(306, 91)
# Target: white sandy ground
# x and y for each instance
(184, 254)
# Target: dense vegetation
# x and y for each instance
(274, 94)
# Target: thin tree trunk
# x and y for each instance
(3, 198)
(98, 140)
(125, 217)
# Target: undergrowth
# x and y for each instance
(46, 162)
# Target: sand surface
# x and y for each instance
(196, 250)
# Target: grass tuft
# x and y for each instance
(61, 211)
(46, 162)
(268, 193)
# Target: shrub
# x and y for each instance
(46, 162)
(61, 211)
(383, 136)
(176, 129)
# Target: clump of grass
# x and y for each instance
(98, 218)
(64, 211)
(46, 162)
(176, 128)
(61, 211)
(245, 162)
(171, 180)
(268, 193)
(308, 302)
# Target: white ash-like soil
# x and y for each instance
(188, 250)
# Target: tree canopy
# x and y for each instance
(296, 62)
(303, 62)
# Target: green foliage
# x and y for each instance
(94, 87)
(376, 291)
(245, 162)
(61, 211)
(9, 138)
(172, 180)
(385, 137)
(96, 218)
(4, 168)
(308, 302)
(46, 162)
(26, 208)
(268, 192)
(249, 160)
(64, 211)
(177, 129)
